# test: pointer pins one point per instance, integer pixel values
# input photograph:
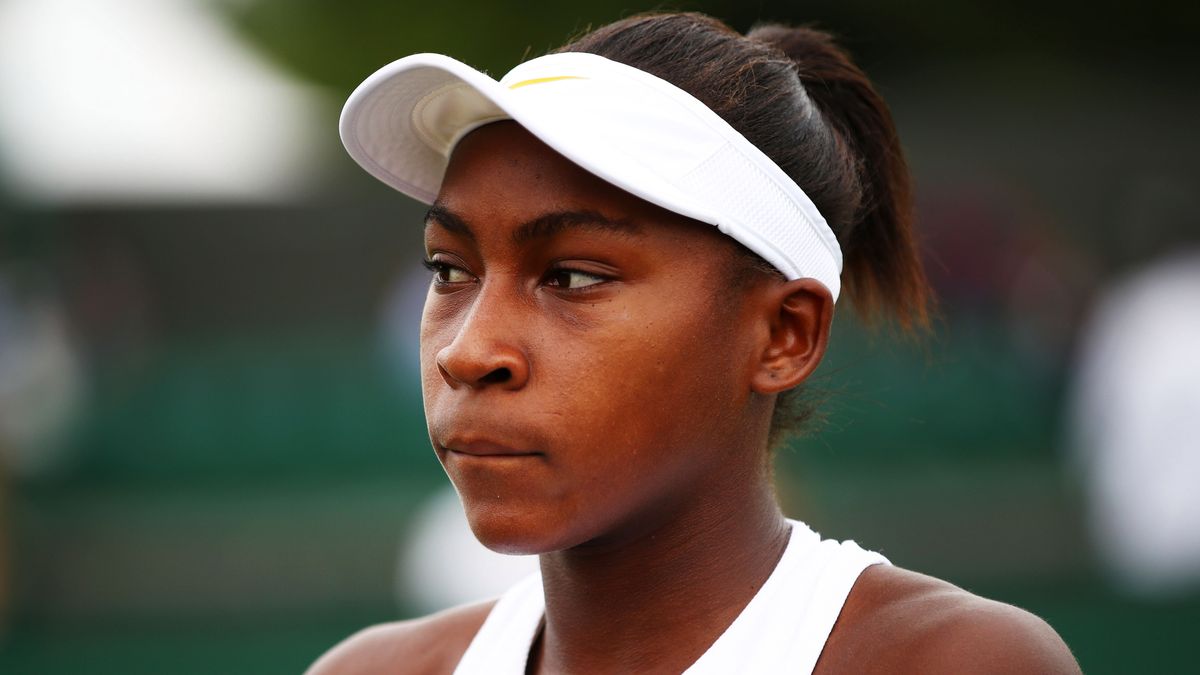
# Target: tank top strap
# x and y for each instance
(501, 647)
(785, 626)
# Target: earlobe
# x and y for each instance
(799, 313)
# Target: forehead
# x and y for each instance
(502, 172)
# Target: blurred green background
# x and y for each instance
(211, 428)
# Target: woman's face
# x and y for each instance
(585, 359)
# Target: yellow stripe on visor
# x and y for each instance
(543, 80)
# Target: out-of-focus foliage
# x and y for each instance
(339, 43)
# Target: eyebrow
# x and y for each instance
(439, 214)
(544, 226)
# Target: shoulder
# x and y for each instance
(433, 644)
(898, 621)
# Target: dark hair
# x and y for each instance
(800, 99)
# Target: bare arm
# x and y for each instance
(433, 644)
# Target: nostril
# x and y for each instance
(497, 376)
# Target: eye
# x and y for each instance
(569, 279)
(445, 273)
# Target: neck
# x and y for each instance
(658, 598)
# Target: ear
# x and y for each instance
(799, 315)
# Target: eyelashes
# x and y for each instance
(445, 273)
(569, 279)
(561, 278)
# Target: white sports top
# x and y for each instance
(782, 629)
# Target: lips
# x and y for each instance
(466, 443)
(465, 433)
(483, 449)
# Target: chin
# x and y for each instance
(517, 531)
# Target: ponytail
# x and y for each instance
(882, 268)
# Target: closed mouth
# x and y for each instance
(488, 449)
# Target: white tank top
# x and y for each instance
(782, 630)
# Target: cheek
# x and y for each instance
(667, 382)
(437, 331)
(650, 420)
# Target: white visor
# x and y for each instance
(628, 127)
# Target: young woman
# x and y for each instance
(636, 245)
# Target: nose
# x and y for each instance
(486, 351)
